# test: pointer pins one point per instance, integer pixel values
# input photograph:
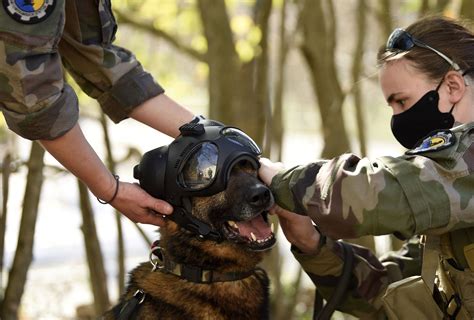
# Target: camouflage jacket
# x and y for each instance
(429, 190)
(37, 38)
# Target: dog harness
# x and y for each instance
(127, 310)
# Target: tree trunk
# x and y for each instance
(384, 17)
(277, 127)
(6, 167)
(424, 8)
(98, 278)
(319, 51)
(238, 93)
(24, 250)
(467, 9)
(356, 72)
(441, 5)
(118, 216)
(224, 63)
(261, 112)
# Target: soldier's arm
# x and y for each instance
(369, 278)
(348, 196)
(73, 151)
(39, 105)
(322, 259)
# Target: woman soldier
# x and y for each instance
(426, 76)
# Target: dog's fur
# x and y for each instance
(170, 297)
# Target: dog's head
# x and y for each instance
(240, 212)
(209, 175)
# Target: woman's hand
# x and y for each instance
(298, 230)
(269, 169)
(137, 205)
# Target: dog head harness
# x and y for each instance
(196, 164)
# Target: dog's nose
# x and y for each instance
(258, 195)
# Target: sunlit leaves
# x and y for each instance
(247, 36)
(199, 43)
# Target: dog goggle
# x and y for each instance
(401, 41)
(200, 168)
(197, 163)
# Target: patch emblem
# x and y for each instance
(438, 140)
(29, 11)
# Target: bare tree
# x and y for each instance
(223, 60)
(276, 130)
(319, 50)
(357, 65)
(6, 170)
(98, 278)
(24, 251)
(111, 164)
(236, 89)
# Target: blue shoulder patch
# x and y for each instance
(29, 11)
(437, 140)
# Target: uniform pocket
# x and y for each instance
(464, 283)
(410, 298)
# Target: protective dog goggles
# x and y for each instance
(197, 163)
(401, 41)
(200, 167)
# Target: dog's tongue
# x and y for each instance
(257, 226)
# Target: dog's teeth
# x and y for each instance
(272, 227)
(233, 224)
(254, 238)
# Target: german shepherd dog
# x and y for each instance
(239, 290)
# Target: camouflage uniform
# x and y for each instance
(34, 99)
(429, 192)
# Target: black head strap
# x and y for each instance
(183, 217)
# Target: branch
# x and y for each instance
(148, 27)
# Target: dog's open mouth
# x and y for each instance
(256, 233)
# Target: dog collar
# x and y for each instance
(192, 273)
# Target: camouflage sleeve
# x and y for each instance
(106, 72)
(34, 99)
(348, 197)
(370, 276)
(368, 283)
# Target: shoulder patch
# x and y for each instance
(29, 11)
(436, 141)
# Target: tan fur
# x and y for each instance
(171, 297)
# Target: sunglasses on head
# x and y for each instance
(400, 40)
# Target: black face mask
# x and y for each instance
(423, 117)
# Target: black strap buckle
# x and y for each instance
(130, 307)
(139, 295)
